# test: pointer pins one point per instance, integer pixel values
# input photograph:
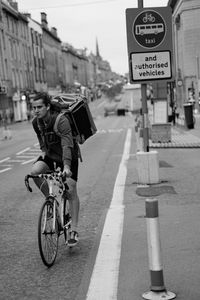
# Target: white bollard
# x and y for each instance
(148, 167)
(157, 288)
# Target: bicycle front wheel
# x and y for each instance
(48, 234)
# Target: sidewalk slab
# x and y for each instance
(179, 209)
(180, 139)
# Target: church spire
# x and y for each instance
(97, 49)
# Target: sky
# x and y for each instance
(82, 22)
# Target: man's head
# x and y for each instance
(41, 105)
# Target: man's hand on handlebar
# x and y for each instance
(66, 171)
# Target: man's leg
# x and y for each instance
(74, 203)
(40, 167)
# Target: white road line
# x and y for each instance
(4, 170)
(104, 279)
(22, 151)
(28, 161)
(25, 156)
(5, 159)
(16, 160)
(35, 150)
(4, 165)
(31, 153)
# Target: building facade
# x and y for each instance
(53, 59)
(33, 59)
(16, 61)
(38, 68)
(75, 66)
(186, 26)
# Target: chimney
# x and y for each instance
(54, 31)
(14, 5)
(28, 15)
(44, 19)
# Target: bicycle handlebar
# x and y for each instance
(51, 175)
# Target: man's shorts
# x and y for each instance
(54, 165)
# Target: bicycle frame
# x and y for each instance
(51, 180)
(51, 222)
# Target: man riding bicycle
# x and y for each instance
(59, 149)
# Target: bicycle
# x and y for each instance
(54, 217)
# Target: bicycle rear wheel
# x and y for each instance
(47, 235)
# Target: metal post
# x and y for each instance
(144, 107)
(197, 85)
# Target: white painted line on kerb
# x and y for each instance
(5, 159)
(26, 149)
(104, 279)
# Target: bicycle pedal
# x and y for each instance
(67, 226)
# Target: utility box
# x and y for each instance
(161, 133)
(160, 129)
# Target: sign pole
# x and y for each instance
(144, 106)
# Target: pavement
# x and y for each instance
(181, 137)
(178, 195)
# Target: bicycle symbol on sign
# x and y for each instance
(148, 17)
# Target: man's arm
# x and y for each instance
(65, 133)
(38, 133)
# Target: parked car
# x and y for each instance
(110, 108)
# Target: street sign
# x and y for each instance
(151, 66)
(149, 39)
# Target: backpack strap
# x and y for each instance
(55, 127)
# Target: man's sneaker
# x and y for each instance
(73, 239)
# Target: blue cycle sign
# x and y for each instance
(149, 41)
(149, 29)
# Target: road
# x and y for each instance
(23, 276)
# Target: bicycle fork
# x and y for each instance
(48, 214)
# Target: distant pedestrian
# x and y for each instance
(6, 130)
(11, 116)
(28, 115)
